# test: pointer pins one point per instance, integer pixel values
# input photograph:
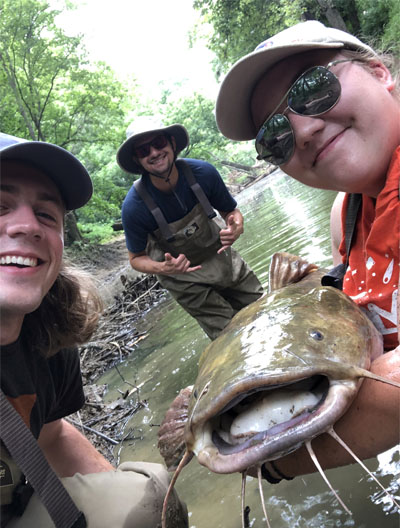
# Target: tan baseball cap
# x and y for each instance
(233, 102)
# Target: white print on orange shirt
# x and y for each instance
(376, 314)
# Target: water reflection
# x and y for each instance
(280, 214)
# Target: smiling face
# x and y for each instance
(348, 148)
(31, 242)
(159, 161)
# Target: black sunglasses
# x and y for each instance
(315, 92)
(159, 142)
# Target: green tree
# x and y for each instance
(50, 91)
(196, 114)
(57, 94)
(238, 26)
(380, 23)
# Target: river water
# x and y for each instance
(280, 215)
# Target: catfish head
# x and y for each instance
(284, 370)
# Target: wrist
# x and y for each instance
(271, 473)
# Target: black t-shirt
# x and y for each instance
(42, 390)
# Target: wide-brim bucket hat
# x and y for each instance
(233, 113)
(65, 170)
(144, 126)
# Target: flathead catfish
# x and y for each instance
(283, 371)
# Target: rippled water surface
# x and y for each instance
(280, 214)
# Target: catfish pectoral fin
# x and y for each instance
(171, 442)
(286, 269)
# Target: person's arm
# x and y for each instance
(336, 228)
(370, 426)
(170, 266)
(69, 452)
(234, 228)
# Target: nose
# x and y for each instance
(24, 222)
(154, 150)
(305, 128)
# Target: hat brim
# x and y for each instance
(66, 171)
(125, 154)
(232, 109)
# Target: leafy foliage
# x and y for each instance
(380, 23)
(50, 90)
(52, 93)
(238, 26)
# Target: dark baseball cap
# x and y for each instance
(67, 172)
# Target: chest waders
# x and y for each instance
(224, 284)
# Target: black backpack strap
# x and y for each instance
(197, 190)
(335, 276)
(155, 210)
(28, 456)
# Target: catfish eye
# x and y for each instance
(316, 334)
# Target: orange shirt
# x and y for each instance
(372, 276)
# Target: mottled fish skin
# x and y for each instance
(299, 330)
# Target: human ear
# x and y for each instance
(383, 75)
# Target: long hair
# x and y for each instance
(68, 314)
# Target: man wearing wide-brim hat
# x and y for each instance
(172, 229)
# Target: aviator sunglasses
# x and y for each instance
(315, 92)
(159, 142)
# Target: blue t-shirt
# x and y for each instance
(137, 219)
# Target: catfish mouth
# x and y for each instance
(261, 414)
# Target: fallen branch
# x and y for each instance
(87, 428)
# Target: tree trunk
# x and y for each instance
(333, 16)
(71, 230)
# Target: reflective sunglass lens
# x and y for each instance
(275, 140)
(315, 92)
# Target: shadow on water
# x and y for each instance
(280, 214)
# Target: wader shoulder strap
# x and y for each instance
(27, 454)
(155, 210)
(196, 188)
(335, 276)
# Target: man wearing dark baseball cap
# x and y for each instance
(325, 107)
(46, 310)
